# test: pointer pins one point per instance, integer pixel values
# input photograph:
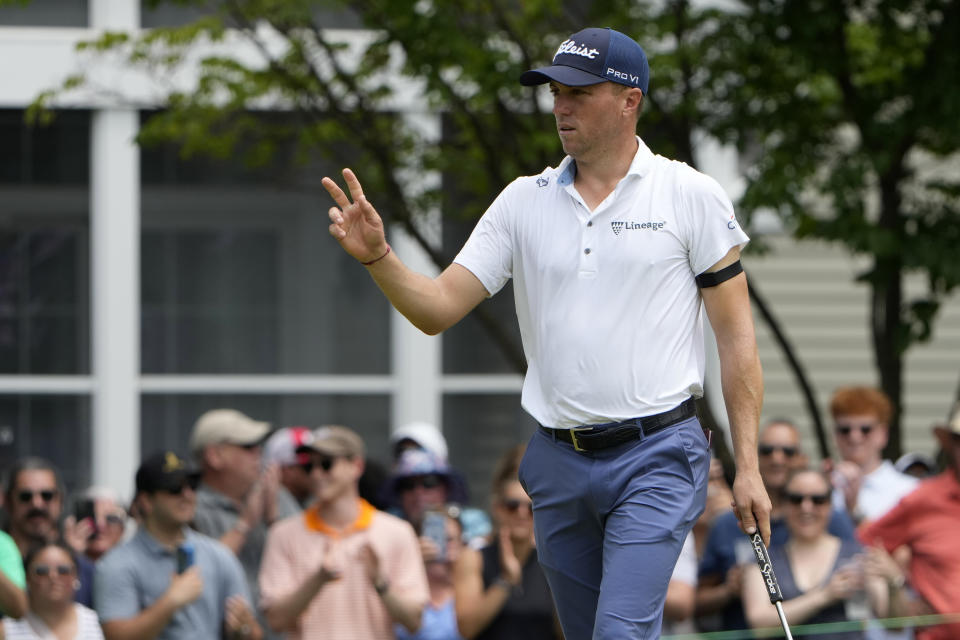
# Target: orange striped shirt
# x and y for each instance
(348, 607)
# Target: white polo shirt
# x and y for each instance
(609, 312)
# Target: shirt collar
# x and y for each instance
(365, 514)
(639, 166)
(153, 545)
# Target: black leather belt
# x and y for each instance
(602, 436)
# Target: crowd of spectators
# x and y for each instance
(257, 533)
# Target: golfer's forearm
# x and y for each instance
(430, 304)
(742, 383)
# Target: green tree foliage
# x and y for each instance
(848, 111)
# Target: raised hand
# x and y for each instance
(355, 225)
(510, 566)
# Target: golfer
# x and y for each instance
(614, 254)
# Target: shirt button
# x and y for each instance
(590, 223)
(587, 250)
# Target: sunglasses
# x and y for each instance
(430, 481)
(818, 499)
(514, 506)
(115, 520)
(769, 449)
(26, 496)
(190, 481)
(325, 463)
(845, 429)
(43, 570)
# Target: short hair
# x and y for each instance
(508, 468)
(31, 463)
(861, 400)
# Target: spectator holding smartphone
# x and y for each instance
(98, 522)
(143, 588)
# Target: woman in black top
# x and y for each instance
(822, 577)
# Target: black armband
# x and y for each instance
(714, 278)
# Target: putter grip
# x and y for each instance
(766, 569)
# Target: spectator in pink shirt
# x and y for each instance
(341, 569)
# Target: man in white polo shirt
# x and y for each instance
(613, 255)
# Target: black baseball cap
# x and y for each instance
(592, 56)
(165, 471)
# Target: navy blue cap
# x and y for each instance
(592, 56)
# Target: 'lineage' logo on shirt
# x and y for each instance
(619, 226)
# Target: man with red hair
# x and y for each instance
(866, 483)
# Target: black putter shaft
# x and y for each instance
(770, 579)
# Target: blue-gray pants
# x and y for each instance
(609, 526)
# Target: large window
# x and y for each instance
(45, 13)
(45, 287)
(241, 276)
(55, 427)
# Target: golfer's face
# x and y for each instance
(586, 116)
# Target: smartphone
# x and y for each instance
(435, 528)
(83, 509)
(184, 557)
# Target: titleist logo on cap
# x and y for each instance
(570, 47)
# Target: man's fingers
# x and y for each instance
(368, 211)
(335, 192)
(356, 191)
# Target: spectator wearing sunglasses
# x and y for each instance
(34, 501)
(341, 569)
(169, 581)
(718, 601)
(420, 481)
(51, 570)
(819, 573)
(238, 499)
(430, 449)
(867, 485)
(500, 590)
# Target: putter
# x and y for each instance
(770, 579)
